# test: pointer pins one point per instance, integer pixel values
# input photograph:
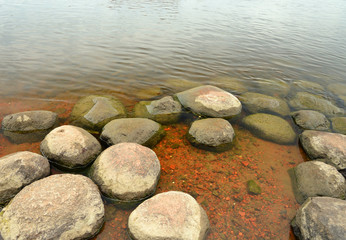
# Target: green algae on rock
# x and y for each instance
(253, 187)
(339, 124)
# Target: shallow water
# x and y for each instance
(54, 52)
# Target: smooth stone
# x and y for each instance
(165, 110)
(339, 124)
(315, 178)
(136, 130)
(321, 218)
(126, 171)
(337, 88)
(256, 102)
(232, 84)
(326, 147)
(63, 206)
(95, 111)
(253, 188)
(270, 127)
(70, 147)
(311, 120)
(214, 134)
(210, 101)
(307, 86)
(181, 84)
(273, 87)
(18, 170)
(169, 216)
(304, 100)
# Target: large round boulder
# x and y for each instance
(270, 127)
(18, 170)
(326, 147)
(310, 120)
(339, 124)
(170, 215)
(137, 130)
(215, 134)
(210, 101)
(70, 147)
(126, 172)
(61, 206)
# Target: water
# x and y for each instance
(54, 52)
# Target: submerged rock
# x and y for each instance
(232, 84)
(70, 147)
(18, 170)
(210, 101)
(311, 120)
(181, 84)
(148, 92)
(337, 88)
(126, 171)
(253, 187)
(215, 134)
(169, 215)
(270, 127)
(307, 86)
(63, 206)
(273, 87)
(339, 124)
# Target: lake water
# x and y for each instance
(54, 52)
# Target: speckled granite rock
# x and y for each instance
(311, 120)
(339, 124)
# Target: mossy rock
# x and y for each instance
(253, 188)
(337, 88)
(339, 124)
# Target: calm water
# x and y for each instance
(53, 52)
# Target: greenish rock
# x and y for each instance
(148, 92)
(232, 84)
(337, 88)
(273, 87)
(270, 127)
(178, 85)
(253, 188)
(311, 120)
(307, 86)
(339, 124)
(95, 111)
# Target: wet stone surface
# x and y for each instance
(311, 120)
(339, 124)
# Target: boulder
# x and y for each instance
(232, 84)
(126, 172)
(170, 215)
(70, 147)
(165, 110)
(273, 87)
(95, 111)
(315, 178)
(137, 130)
(337, 88)
(215, 134)
(63, 206)
(310, 120)
(321, 218)
(210, 101)
(256, 102)
(18, 170)
(307, 86)
(270, 127)
(326, 147)
(339, 124)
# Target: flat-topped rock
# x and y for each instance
(95, 111)
(136, 130)
(232, 84)
(326, 147)
(339, 124)
(170, 216)
(311, 120)
(70, 147)
(273, 87)
(126, 171)
(256, 102)
(215, 134)
(18, 170)
(210, 101)
(63, 206)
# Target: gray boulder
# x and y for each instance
(339, 124)
(18, 170)
(63, 206)
(310, 120)
(210, 101)
(215, 134)
(137, 130)
(126, 171)
(170, 215)
(256, 102)
(270, 127)
(326, 147)
(321, 218)
(70, 147)
(273, 87)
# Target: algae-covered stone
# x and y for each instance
(148, 92)
(232, 84)
(311, 120)
(253, 187)
(337, 88)
(273, 87)
(181, 84)
(165, 111)
(307, 86)
(270, 127)
(339, 124)
(95, 111)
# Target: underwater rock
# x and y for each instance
(165, 110)
(253, 187)
(18, 170)
(62, 206)
(337, 88)
(321, 218)
(232, 84)
(126, 171)
(148, 92)
(270, 127)
(169, 215)
(214, 134)
(70, 147)
(310, 120)
(339, 124)
(95, 111)
(326, 147)
(210, 101)
(178, 85)
(273, 87)
(136, 130)
(307, 86)
(256, 102)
